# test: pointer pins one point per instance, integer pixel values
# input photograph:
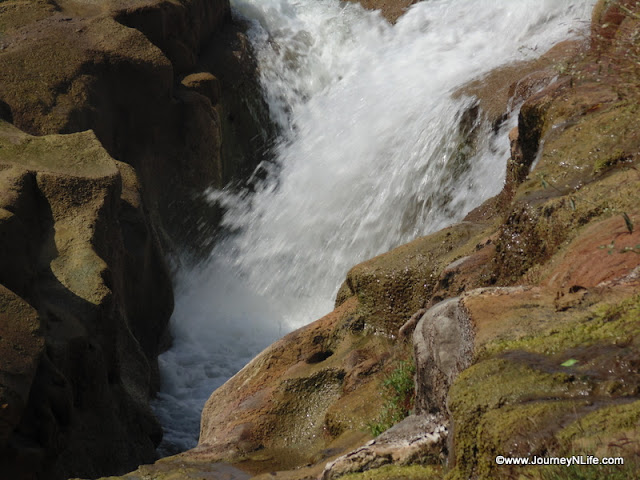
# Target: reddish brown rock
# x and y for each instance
(390, 9)
(290, 402)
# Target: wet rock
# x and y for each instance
(390, 10)
(504, 89)
(391, 287)
(283, 409)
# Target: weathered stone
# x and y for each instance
(542, 305)
(87, 240)
(502, 90)
(521, 397)
(204, 84)
(290, 403)
(391, 287)
(117, 64)
(415, 440)
(443, 347)
(21, 346)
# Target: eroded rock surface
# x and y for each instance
(113, 115)
(116, 68)
(86, 299)
(443, 345)
(417, 439)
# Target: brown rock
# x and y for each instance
(21, 346)
(390, 9)
(204, 84)
(117, 65)
(289, 403)
(92, 270)
(505, 88)
(393, 286)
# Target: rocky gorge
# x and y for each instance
(519, 323)
(111, 118)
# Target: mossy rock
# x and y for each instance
(392, 472)
(391, 287)
(566, 388)
(545, 220)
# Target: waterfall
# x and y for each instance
(370, 156)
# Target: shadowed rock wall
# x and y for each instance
(114, 117)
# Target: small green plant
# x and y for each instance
(398, 391)
(612, 248)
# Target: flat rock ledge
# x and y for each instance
(417, 439)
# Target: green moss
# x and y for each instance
(590, 472)
(499, 381)
(612, 324)
(591, 143)
(489, 402)
(518, 431)
(392, 472)
(519, 400)
(604, 422)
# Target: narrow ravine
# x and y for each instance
(370, 156)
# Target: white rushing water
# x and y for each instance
(370, 156)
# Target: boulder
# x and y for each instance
(394, 285)
(443, 347)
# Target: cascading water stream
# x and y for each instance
(370, 157)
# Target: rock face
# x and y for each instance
(86, 299)
(527, 338)
(296, 401)
(443, 347)
(116, 69)
(112, 116)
